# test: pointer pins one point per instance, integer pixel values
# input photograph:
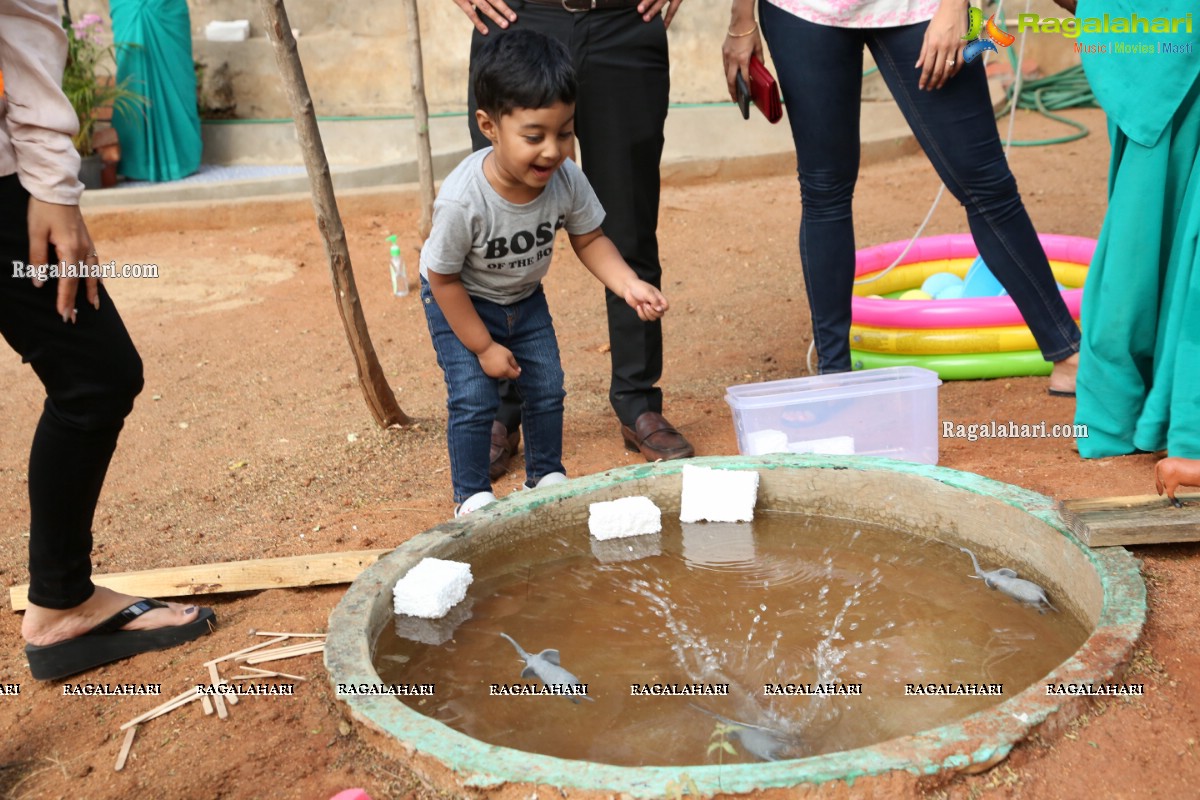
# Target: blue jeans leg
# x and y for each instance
(956, 127)
(532, 340)
(820, 70)
(472, 397)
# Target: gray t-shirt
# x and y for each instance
(503, 249)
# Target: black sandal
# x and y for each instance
(107, 643)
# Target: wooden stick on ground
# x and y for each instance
(206, 704)
(268, 674)
(292, 635)
(303, 647)
(172, 704)
(276, 655)
(279, 637)
(218, 700)
(125, 748)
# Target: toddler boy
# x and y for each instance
(494, 225)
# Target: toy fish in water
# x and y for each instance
(1006, 581)
(764, 744)
(545, 667)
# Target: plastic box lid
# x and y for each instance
(837, 386)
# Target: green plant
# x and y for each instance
(88, 81)
(722, 745)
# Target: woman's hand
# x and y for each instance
(941, 52)
(736, 51)
(63, 227)
(498, 362)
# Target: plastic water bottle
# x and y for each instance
(399, 272)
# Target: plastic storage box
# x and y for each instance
(888, 413)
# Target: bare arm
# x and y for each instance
(600, 256)
(452, 298)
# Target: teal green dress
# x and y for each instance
(1138, 387)
(159, 141)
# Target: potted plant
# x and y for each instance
(93, 91)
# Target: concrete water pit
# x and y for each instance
(1098, 594)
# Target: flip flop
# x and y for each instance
(106, 642)
(1059, 393)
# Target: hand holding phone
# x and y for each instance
(743, 95)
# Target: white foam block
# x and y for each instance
(626, 516)
(234, 30)
(432, 588)
(833, 446)
(761, 443)
(718, 495)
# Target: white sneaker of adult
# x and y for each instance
(474, 503)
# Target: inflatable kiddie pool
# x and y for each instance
(960, 339)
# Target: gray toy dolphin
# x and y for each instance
(762, 743)
(1006, 581)
(545, 667)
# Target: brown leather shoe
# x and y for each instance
(654, 438)
(504, 447)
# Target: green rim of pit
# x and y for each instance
(974, 742)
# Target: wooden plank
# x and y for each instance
(1133, 520)
(320, 569)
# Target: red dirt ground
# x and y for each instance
(251, 440)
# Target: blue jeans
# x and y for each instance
(820, 75)
(526, 329)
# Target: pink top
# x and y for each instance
(36, 121)
(860, 13)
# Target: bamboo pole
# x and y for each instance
(376, 391)
(420, 117)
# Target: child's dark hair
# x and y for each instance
(522, 69)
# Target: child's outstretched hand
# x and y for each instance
(646, 300)
(498, 362)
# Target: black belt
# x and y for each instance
(579, 6)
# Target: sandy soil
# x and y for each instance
(251, 439)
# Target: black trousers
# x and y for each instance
(624, 86)
(91, 372)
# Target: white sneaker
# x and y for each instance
(474, 503)
(550, 479)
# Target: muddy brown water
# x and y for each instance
(788, 600)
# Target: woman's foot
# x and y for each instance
(46, 626)
(1062, 378)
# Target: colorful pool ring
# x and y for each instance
(906, 276)
(932, 255)
(942, 341)
(960, 367)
